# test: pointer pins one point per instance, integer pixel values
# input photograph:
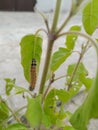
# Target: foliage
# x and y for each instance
(16, 127)
(46, 109)
(34, 112)
(71, 39)
(83, 114)
(62, 54)
(76, 83)
(32, 46)
(4, 112)
(52, 101)
(59, 57)
(90, 17)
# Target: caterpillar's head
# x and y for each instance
(33, 62)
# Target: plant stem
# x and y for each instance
(74, 72)
(63, 76)
(46, 66)
(66, 20)
(93, 42)
(24, 107)
(51, 39)
(56, 15)
(48, 87)
(71, 14)
(17, 119)
(41, 30)
(64, 24)
(45, 19)
(89, 39)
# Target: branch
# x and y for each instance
(72, 12)
(39, 30)
(93, 42)
(56, 15)
(13, 113)
(48, 87)
(77, 65)
(44, 18)
(51, 39)
(89, 39)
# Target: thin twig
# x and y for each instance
(66, 21)
(56, 16)
(48, 87)
(41, 30)
(18, 110)
(93, 42)
(47, 25)
(77, 65)
(63, 76)
(74, 72)
(76, 52)
(45, 19)
(70, 15)
(13, 113)
(64, 24)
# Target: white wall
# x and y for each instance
(48, 5)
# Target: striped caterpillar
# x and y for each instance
(33, 76)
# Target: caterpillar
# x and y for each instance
(33, 76)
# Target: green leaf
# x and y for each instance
(71, 39)
(62, 113)
(59, 123)
(90, 16)
(4, 112)
(1, 127)
(10, 83)
(49, 106)
(46, 120)
(34, 112)
(19, 90)
(56, 95)
(31, 47)
(16, 127)
(68, 128)
(68, 114)
(59, 57)
(62, 95)
(50, 103)
(97, 39)
(76, 83)
(86, 81)
(88, 110)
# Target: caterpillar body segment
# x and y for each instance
(33, 75)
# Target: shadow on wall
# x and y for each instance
(48, 5)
